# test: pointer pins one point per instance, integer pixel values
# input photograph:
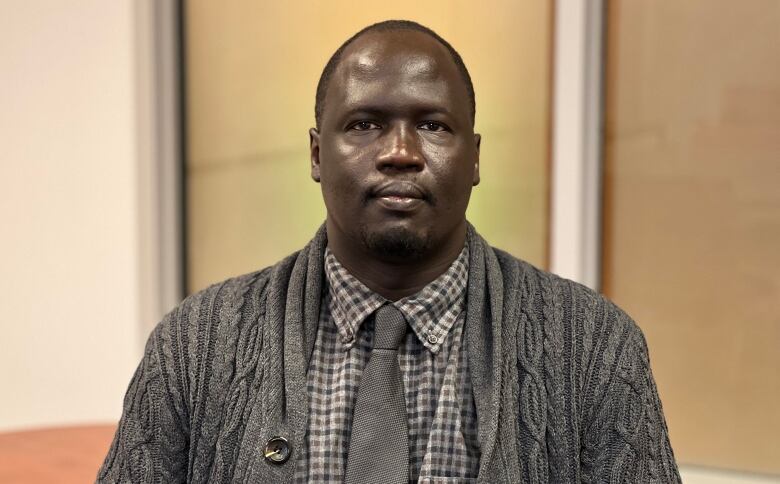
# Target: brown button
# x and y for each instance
(277, 450)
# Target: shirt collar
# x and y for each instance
(431, 312)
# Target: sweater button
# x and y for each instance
(277, 450)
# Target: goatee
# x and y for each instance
(396, 243)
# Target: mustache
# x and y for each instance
(399, 188)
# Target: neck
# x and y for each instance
(395, 279)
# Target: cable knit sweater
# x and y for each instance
(561, 378)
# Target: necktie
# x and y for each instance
(379, 445)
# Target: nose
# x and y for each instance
(400, 151)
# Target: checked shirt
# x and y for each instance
(442, 419)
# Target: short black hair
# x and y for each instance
(389, 25)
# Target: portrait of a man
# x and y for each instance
(397, 345)
(403, 242)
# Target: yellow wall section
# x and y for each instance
(252, 70)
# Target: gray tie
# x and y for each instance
(379, 445)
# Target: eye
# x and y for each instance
(433, 126)
(363, 126)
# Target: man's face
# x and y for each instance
(396, 152)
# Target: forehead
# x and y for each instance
(397, 63)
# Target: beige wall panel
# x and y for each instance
(692, 215)
(70, 190)
(252, 70)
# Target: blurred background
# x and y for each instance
(151, 148)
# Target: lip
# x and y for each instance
(400, 204)
(403, 189)
(399, 196)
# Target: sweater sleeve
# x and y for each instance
(151, 441)
(627, 439)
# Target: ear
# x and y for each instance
(314, 150)
(477, 142)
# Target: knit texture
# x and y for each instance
(561, 377)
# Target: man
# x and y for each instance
(397, 345)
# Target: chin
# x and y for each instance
(396, 242)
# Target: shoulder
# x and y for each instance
(580, 314)
(222, 298)
(574, 339)
(213, 319)
(199, 337)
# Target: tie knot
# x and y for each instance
(389, 328)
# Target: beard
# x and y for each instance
(396, 243)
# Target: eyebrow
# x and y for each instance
(378, 111)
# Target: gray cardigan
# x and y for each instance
(561, 378)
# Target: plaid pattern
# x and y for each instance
(439, 402)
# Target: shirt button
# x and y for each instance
(277, 450)
(347, 337)
(432, 338)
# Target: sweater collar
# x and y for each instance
(292, 309)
